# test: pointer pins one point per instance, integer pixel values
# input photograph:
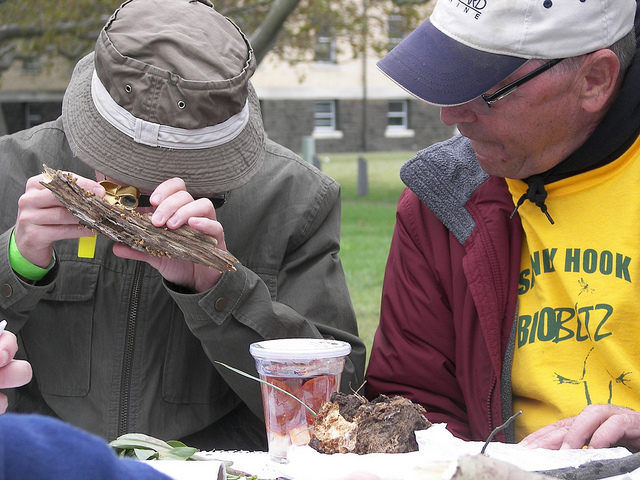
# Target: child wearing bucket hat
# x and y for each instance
(120, 341)
(512, 277)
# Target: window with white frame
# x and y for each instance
(325, 47)
(398, 120)
(324, 116)
(398, 114)
(397, 27)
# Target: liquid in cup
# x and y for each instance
(310, 369)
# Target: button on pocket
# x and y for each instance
(5, 290)
(220, 304)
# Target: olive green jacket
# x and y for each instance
(116, 349)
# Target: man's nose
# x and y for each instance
(451, 116)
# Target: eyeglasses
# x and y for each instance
(130, 197)
(484, 106)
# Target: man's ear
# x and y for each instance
(599, 76)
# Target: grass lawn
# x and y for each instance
(367, 226)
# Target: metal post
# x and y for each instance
(363, 179)
(308, 149)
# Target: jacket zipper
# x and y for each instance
(125, 385)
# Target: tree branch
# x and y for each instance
(265, 36)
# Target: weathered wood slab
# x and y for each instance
(135, 229)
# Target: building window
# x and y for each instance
(398, 120)
(324, 117)
(397, 27)
(397, 116)
(325, 47)
(31, 65)
(325, 125)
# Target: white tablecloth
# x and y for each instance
(436, 460)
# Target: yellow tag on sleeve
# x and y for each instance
(87, 246)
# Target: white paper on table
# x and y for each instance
(251, 463)
(189, 470)
(438, 443)
(307, 464)
(436, 459)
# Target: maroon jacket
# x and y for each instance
(449, 294)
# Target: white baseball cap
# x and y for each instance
(467, 47)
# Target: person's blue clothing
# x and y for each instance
(37, 447)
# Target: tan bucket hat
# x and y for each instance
(166, 93)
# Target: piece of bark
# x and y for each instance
(135, 229)
(351, 424)
(597, 469)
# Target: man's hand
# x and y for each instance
(13, 373)
(42, 220)
(597, 426)
(175, 207)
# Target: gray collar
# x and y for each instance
(444, 176)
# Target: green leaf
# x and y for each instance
(145, 447)
(176, 443)
(182, 453)
(140, 440)
(144, 454)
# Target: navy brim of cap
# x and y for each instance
(443, 71)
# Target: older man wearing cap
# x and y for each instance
(512, 271)
(164, 104)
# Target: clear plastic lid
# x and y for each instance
(299, 348)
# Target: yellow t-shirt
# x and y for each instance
(578, 331)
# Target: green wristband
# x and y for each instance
(24, 267)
